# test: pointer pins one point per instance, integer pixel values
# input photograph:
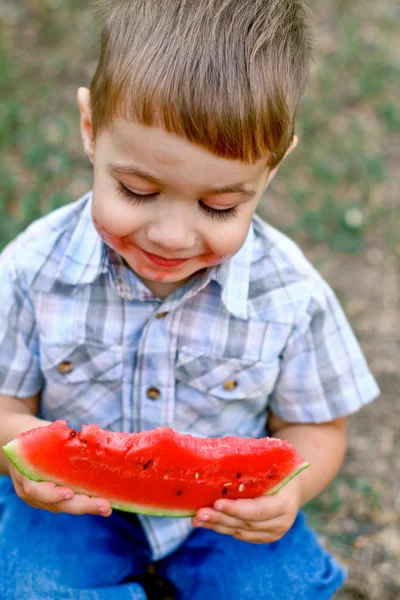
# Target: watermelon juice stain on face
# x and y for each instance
(115, 242)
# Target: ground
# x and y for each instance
(336, 195)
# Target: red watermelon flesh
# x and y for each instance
(157, 472)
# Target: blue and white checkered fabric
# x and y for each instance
(77, 325)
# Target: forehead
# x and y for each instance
(169, 156)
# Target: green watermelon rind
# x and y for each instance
(292, 475)
(13, 453)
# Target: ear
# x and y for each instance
(292, 146)
(86, 121)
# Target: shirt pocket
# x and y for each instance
(223, 393)
(82, 384)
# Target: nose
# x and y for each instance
(172, 230)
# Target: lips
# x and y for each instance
(164, 262)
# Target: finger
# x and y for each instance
(256, 537)
(30, 491)
(19, 489)
(257, 509)
(45, 492)
(16, 477)
(213, 518)
(82, 505)
(55, 498)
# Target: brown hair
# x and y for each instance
(225, 74)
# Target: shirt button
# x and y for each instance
(65, 367)
(153, 393)
(230, 385)
(161, 315)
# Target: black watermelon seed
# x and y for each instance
(238, 475)
(179, 493)
(225, 491)
(147, 464)
(84, 441)
(72, 434)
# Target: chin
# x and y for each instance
(164, 276)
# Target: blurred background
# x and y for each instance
(337, 195)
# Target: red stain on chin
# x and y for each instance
(152, 275)
(116, 242)
(161, 277)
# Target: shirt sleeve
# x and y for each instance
(324, 374)
(20, 373)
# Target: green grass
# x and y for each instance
(41, 162)
(332, 187)
(344, 495)
(31, 166)
(365, 497)
(347, 122)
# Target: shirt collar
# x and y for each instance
(86, 256)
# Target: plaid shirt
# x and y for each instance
(260, 332)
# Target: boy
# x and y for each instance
(161, 299)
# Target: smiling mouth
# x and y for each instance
(165, 262)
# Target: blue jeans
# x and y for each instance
(46, 556)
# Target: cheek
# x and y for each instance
(116, 242)
(216, 259)
(227, 242)
(112, 221)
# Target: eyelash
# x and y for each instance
(139, 200)
(135, 199)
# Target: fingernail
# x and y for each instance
(218, 506)
(205, 517)
(68, 497)
(103, 509)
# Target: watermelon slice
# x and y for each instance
(158, 472)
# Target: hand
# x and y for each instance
(56, 499)
(262, 520)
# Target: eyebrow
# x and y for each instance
(228, 189)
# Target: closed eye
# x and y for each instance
(136, 199)
(224, 214)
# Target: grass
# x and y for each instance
(31, 165)
(348, 120)
(365, 497)
(41, 163)
(336, 501)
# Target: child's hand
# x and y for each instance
(48, 496)
(260, 521)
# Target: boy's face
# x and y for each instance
(168, 207)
